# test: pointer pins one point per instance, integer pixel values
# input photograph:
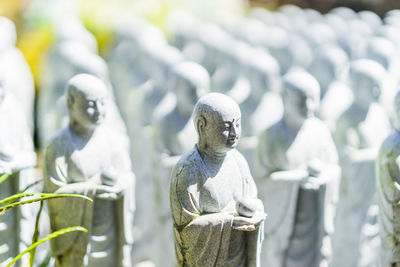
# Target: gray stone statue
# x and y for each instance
(16, 157)
(298, 185)
(327, 67)
(359, 132)
(387, 184)
(174, 134)
(15, 70)
(88, 158)
(217, 217)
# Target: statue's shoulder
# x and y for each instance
(318, 125)
(60, 143)
(189, 166)
(240, 159)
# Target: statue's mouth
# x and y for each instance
(233, 140)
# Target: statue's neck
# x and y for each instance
(293, 124)
(209, 155)
(80, 130)
(362, 107)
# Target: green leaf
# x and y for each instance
(47, 238)
(44, 196)
(3, 177)
(15, 197)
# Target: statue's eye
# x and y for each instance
(227, 126)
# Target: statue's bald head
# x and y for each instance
(86, 96)
(189, 81)
(217, 121)
(366, 78)
(301, 93)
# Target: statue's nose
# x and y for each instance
(99, 108)
(233, 131)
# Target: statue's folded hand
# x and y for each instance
(242, 223)
(84, 188)
(311, 183)
(109, 192)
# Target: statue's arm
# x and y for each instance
(55, 174)
(184, 201)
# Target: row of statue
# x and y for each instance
(152, 133)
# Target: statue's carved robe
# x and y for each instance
(358, 136)
(301, 220)
(67, 161)
(203, 236)
(388, 187)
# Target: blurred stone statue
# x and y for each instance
(384, 52)
(387, 183)
(88, 158)
(66, 59)
(358, 135)
(327, 67)
(217, 217)
(174, 133)
(17, 156)
(298, 185)
(262, 71)
(156, 101)
(15, 70)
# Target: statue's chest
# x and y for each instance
(223, 190)
(88, 162)
(307, 145)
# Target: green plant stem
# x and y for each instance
(47, 238)
(43, 197)
(35, 236)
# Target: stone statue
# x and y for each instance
(384, 52)
(130, 77)
(174, 134)
(387, 184)
(298, 181)
(327, 67)
(88, 158)
(217, 218)
(16, 157)
(262, 71)
(359, 132)
(67, 59)
(15, 70)
(156, 100)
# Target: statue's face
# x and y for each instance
(222, 131)
(365, 89)
(298, 106)
(89, 108)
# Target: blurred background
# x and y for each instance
(35, 19)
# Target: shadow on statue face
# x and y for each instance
(222, 131)
(88, 110)
(366, 91)
(296, 104)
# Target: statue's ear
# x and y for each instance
(200, 124)
(70, 100)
